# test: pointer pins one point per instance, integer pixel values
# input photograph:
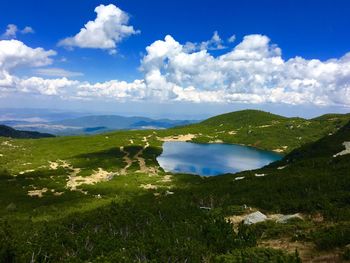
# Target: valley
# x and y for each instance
(105, 197)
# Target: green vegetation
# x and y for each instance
(6, 131)
(263, 255)
(104, 198)
(263, 130)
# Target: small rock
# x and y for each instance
(259, 175)
(239, 178)
(254, 218)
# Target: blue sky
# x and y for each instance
(307, 29)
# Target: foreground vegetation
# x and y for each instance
(105, 199)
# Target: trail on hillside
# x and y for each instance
(142, 163)
(126, 159)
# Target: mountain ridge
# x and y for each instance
(6, 131)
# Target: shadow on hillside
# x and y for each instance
(113, 158)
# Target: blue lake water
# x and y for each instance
(212, 159)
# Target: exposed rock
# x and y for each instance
(239, 178)
(285, 218)
(281, 150)
(346, 151)
(179, 138)
(37, 192)
(26, 171)
(97, 176)
(259, 175)
(148, 186)
(254, 218)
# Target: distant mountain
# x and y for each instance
(115, 122)
(96, 124)
(6, 131)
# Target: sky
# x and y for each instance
(178, 59)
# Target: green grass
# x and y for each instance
(263, 130)
(120, 221)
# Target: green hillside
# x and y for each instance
(313, 180)
(6, 131)
(104, 198)
(264, 130)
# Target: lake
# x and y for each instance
(212, 159)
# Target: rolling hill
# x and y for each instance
(263, 130)
(95, 124)
(6, 131)
(103, 198)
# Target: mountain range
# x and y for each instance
(94, 124)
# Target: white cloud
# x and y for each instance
(108, 29)
(215, 43)
(114, 89)
(12, 29)
(252, 72)
(57, 72)
(14, 53)
(34, 85)
(27, 30)
(231, 39)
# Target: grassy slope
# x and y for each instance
(129, 223)
(264, 130)
(6, 131)
(308, 179)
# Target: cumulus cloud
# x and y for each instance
(215, 43)
(12, 30)
(14, 53)
(108, 29)
(114, 89)
(35, 85)
(253, 72)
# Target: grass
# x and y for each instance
(263, 130)
(121, 220)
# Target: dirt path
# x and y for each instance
(178, 138)
(307, 250)
(97, 176)
(126, 159)
(141, 160)
(138, 158)
(343, 152)
(37, 192)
